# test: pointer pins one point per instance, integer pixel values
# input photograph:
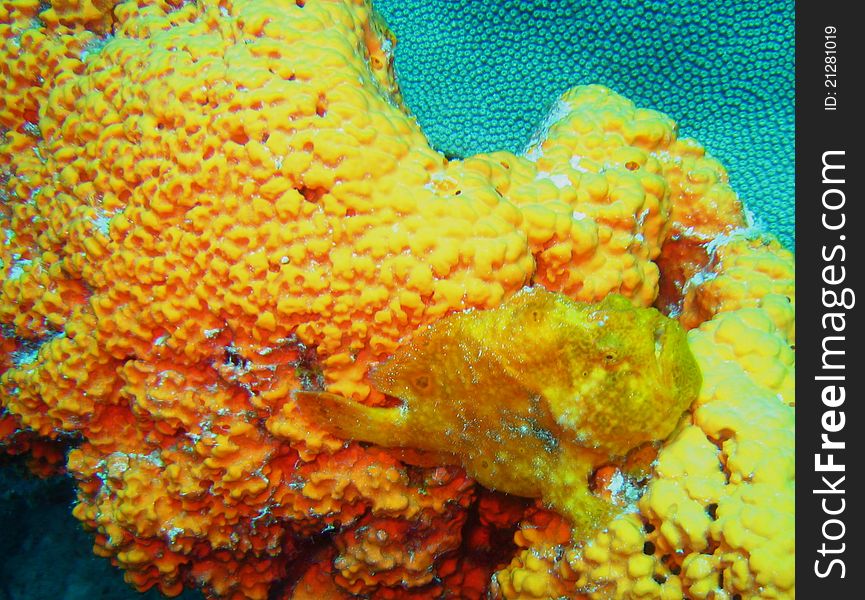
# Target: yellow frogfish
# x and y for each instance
(530, 397)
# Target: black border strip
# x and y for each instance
(829, 55)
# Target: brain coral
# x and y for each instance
(207, 205)
(481, 76)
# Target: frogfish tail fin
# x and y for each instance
(351, 420)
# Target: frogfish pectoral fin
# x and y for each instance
(351, 420)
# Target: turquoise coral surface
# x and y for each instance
(481, 76)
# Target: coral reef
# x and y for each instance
(707, 64)
(46, 552)
(207, 205)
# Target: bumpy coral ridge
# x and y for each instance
(207, 205)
